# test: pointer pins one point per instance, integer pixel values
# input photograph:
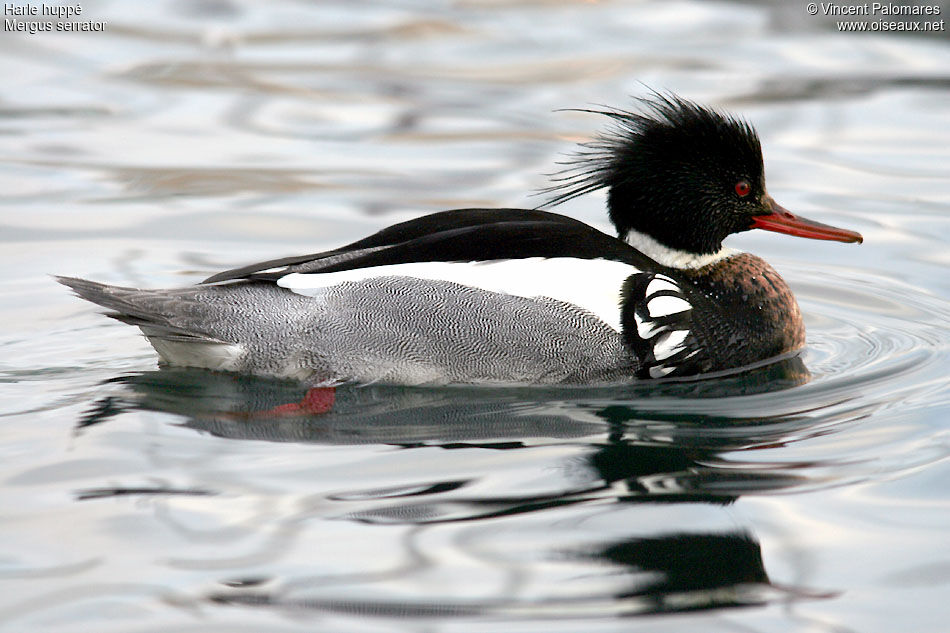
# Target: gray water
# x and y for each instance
(187, 137)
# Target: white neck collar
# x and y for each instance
(673, 257)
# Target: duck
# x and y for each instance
(520, 296)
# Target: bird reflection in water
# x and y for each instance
(638, 447)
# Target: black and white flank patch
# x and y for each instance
(658, 321)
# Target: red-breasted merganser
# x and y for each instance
(516, 295)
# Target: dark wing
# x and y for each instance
(459, 235)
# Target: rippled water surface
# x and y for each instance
(187, 137)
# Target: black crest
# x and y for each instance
(669, 163)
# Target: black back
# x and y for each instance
(460, 235)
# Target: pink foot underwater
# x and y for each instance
(317, 400)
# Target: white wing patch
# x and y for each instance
(665, 305)
(592, 284)
(663, 326)
(661, 282)
(659, 371)
(669, 344)
(645, 329)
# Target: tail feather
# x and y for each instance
(147, 309)
(249, 326)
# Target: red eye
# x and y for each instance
(743, 188)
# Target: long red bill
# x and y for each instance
(781, 220)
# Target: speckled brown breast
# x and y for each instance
(743, 312)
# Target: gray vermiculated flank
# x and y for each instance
(389, 329)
